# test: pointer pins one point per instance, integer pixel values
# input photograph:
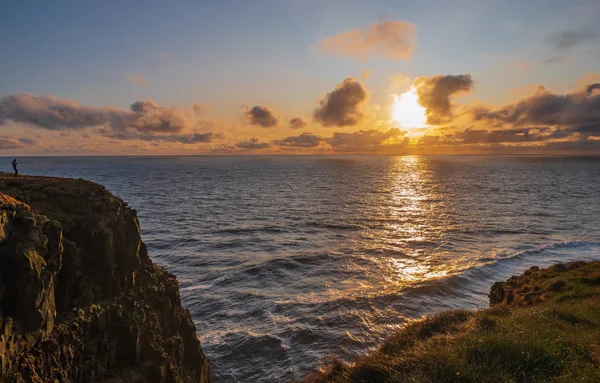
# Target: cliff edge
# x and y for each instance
(543, 326)
(80, 300)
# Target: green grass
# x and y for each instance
(549, 332)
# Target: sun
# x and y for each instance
(407, 111)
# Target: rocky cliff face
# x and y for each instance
(80, 300)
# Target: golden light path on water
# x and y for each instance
(415, 214)
(304, 257)
(402, 243)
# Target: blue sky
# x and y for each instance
(233, 53)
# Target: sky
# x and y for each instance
(299, 77)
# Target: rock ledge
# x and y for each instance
(80, 300)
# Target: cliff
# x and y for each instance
(80, 300)
(543, 326)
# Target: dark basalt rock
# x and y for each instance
(80, 300)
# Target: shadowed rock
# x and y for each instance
(80, 300)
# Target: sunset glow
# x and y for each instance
(360, 84)
(407, 111)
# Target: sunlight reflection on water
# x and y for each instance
(285, 260)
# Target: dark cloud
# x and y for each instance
(391, 39)
(363, 140)
(261, 115)
(543, 108)
(305, 140)
(193, 138)
(253, 143)
(592, 87)
(546, 117)
(15, 143)
(343, 106)
(476, 136)
(297, 123)
(144, 106)
(58, 114)
(567, 39)
(152, 118)
(435, 94)
(223, 148)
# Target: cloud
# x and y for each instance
(297, 123)
(567, 39)
(51, 113)
(253, 143)
(545, 108)
(557, 59)
(575, 114)
(305, 140)
(400, 80)
(27, 141)
(363, 140)
(343, 106)
(261, 115)
(223, 148)
(390, 40)
(138, 79)
(475, 136)
(201, 108)
(15, 143)
(592, 87)
(193, 138)
(585, 81)
(435, 94)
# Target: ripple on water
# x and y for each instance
(284, 261)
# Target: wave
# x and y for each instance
(465, 288)
(472, 279)
(251, 230)
(329, 225)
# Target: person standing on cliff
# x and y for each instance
(14, 164)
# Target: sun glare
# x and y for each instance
(407, 111)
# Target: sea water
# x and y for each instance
(285, 261)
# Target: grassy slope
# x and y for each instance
(546, 328)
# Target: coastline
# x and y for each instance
(543, 325)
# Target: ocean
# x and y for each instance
(287, 261)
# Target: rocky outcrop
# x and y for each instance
(538, 285)
(80, 300)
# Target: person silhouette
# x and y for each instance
(14, 164)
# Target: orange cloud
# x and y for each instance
(15, 143)
(390, 40)
(201, 108)
(586, 80)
